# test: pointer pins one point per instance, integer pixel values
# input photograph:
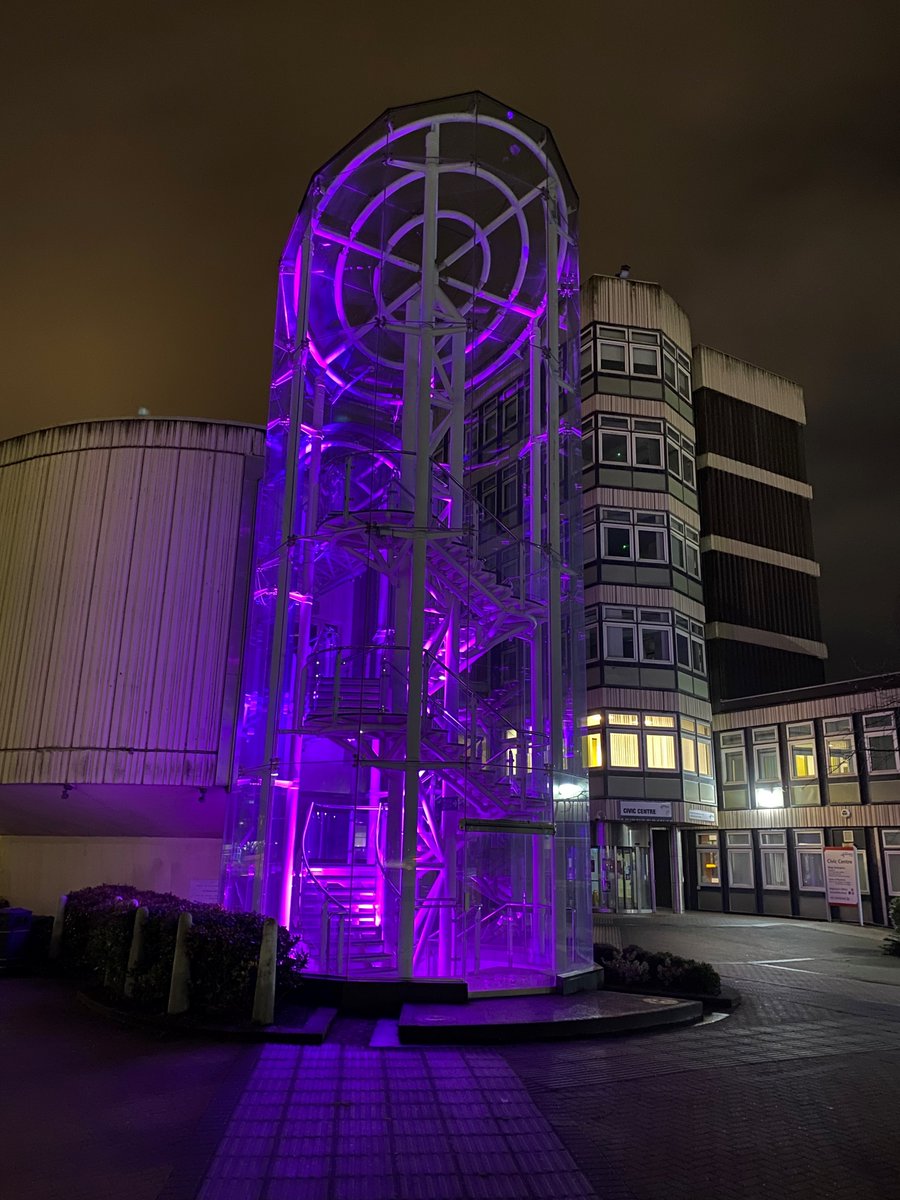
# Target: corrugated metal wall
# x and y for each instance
(120, 550)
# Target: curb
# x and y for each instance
(312, 1033)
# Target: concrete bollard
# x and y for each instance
(264, 996)
(137, 948)
(180, 987)
(56, 936)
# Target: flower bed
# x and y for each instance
(638, 968)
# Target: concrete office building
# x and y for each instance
(648, 731)
(760, 576)
(799, 771)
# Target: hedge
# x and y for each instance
(891, 944)
(223, 948)
(635, 967)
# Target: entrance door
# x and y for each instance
(662, 868)
(626, 879)
(504, 930)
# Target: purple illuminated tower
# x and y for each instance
(409, 793)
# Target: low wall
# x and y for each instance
(35, 871)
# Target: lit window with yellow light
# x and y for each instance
(624, 750)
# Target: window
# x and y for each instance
(656, 721)
(613, 357)
(773, 855)
(692, 551)
(627, 535)
(651, 537)
(696, 747)
(767, 768)
(617, 718)
(656, 644)
(683, 641)
(881, 742)
(613, 447)
(591, 635)
(587, 353)
(631, 442)
(627, 352)
(734, 758)
(802, 752)
(509, 488)
(489, 425)
(680, 457)
(676, 541)
(592, 748)
(698, 653)
(619, 642)
(590, 537)
(891, 842)
(659, 749)
(688, 747)
(840, 746)
(740, 859)
(511, 411)
(642, 634)
(616, 533)
(708, 860)
(810, 860)
(624, 749)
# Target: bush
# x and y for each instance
(635, 967)
(223, 948)
(891, 944)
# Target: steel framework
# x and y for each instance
(409, 795)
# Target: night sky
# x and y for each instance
(744, 155)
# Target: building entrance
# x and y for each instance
(662, 868)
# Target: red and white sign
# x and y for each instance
(841, 876)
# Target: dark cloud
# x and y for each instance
(742, 154)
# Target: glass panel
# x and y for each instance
(841, 756)
(655, 646)
(688, 754)
(892, 865)
(767, 768)
(647, 450)
(613, 447)
(811, 869)
(740, 868)
(704, 757)
(803, 760)
(660, 751)
(616, 718)
(623, 749)
(593, 750)
(882, 756)
(617, 541)
(644, 361)
(708, 868)
(655, 721)
(651, 545)
(774, 869)
(619, 641)
(612, 357)
(734, 766)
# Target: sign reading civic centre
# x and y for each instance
(645, 810)
(841, 878)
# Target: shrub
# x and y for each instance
(891, 944)
(223, 949)
(635, 967)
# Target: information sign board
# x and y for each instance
(841, 878)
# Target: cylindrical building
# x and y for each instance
(124, 552)
(410, 795)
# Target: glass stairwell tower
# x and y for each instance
(409, 795)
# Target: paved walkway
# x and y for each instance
(795, 1096)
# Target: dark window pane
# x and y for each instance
(614, 447)
(616, 541)
(647, 451)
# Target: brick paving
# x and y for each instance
(794, 1096)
